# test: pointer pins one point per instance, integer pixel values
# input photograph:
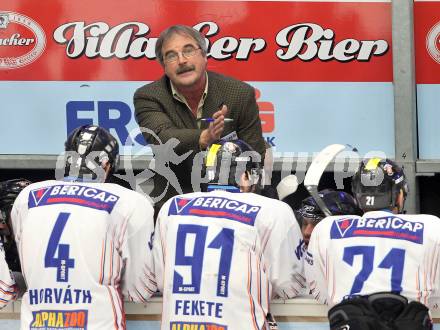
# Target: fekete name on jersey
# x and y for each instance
(198, 308)
(73, 194)
(215, 206)
(390, 227)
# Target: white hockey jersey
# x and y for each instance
(83, 248)
(8, 290)
(381, 251)
(219, 255)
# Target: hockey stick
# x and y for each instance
(315, 171)
(271, 322)
(287, 186)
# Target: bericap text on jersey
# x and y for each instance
(389, 222)
(224, 203)
(89, 192)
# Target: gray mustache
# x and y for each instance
(185, 69)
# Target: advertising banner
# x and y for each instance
(427, 52)
(322, 70)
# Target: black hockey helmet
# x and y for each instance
(377, 184)
(9, 191)
(88, 139)
(225, 162)
(338, 203)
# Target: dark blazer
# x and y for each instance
(157, 110)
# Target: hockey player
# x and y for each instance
(221, 255)
(84, 245)
(9, 191)
(309, 214)
(370, 266)
(9, 260)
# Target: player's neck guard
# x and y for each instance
(214, 187)
(388, 210)
(81, 179)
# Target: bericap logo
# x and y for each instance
(215, 206)
(181, 203)
(38, 195)
(344, 225)
(22, 40)
(73, 194)
(388, 227)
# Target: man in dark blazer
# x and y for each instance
(194, 106)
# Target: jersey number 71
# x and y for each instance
(394, 261)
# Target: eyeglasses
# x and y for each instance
(187, 52)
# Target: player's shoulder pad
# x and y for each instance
(276, 208)
(23, 196)
(328, 221)
(428, 219)
(127, 195)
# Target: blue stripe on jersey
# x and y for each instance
(391, 227)
(73, 194)
(214, 206)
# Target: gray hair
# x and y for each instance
(182, 30)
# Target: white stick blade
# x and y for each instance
(320, 163)
(287, 186)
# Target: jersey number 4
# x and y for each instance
(62, 262)
(394, 260)
(190, 250)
